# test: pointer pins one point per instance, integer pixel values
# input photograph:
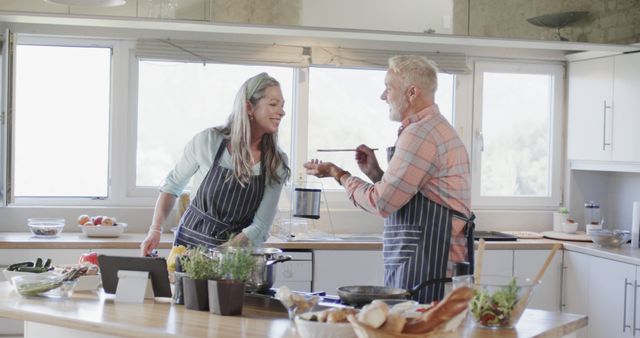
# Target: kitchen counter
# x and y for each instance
(74, 240)
(24, 240)
(96, 315)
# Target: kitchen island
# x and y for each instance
(95, 314)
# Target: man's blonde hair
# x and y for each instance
(416, 70)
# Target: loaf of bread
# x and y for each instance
(374, 314)
(394, 323)
(437, 318)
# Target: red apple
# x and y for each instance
(97, 220)
(89, 257)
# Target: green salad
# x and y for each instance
(495, 309)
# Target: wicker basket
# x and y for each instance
(365, 331)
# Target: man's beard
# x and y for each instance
(396, 110)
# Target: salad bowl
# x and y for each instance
(499, 301)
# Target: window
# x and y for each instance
(170, 113)
(345, 110)
(61, 145)
(517, 119)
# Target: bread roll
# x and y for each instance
(453, 304)
(339, 315)
(394, 323)
(374, 314)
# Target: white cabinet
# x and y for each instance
(575, 285)
(604, 109)
(611, 298)
(527, 263)
(590, 98)
(626, 108)
(497, 262)
(335, 268)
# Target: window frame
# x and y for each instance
(123, 130)
(552, 201)
(120, 50)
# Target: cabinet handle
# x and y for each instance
(604, 125)
(624, 310)
(635, 303)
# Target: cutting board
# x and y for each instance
(579, 236)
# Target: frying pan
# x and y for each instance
(358, 295)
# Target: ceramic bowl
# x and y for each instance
(569, 227)
(103, 230)
(313, 329)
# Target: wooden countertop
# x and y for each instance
(96, 312)
(75, 240)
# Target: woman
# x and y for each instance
(238, 174)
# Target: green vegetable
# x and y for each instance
(34, 288)
(14, 267)
(495, 310)
(35, 269)
(48, 263)
(38, 262)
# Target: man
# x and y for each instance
(425, 193)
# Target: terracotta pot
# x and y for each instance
(196, 294)
(226, 297)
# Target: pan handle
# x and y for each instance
(426, 283)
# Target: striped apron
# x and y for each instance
(416, 243)
(221, 208)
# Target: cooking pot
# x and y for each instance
(358, 295)
(261, 278)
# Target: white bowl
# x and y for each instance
(309, 329)
(103, 230)
(8, 275)
(569, 227)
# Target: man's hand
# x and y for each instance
(368, 163)
(318, 168)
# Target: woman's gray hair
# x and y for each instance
(416, 70)
(238, 132)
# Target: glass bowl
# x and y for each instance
(45, 286)
(610, 238)
(46, 227)
(499, 301)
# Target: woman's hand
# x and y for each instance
(321, 169)
(368, 163)
(149, 243)
(238, 240)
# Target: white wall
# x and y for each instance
(389, 15)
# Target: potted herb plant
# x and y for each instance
(199, 269)
(226, 293)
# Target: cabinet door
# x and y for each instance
(335, 268)
(590, 96)
(611, 298)
(575, 285)
(626, 108)
(497, 262)
(527, 263)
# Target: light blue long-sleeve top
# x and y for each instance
(196, 162)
